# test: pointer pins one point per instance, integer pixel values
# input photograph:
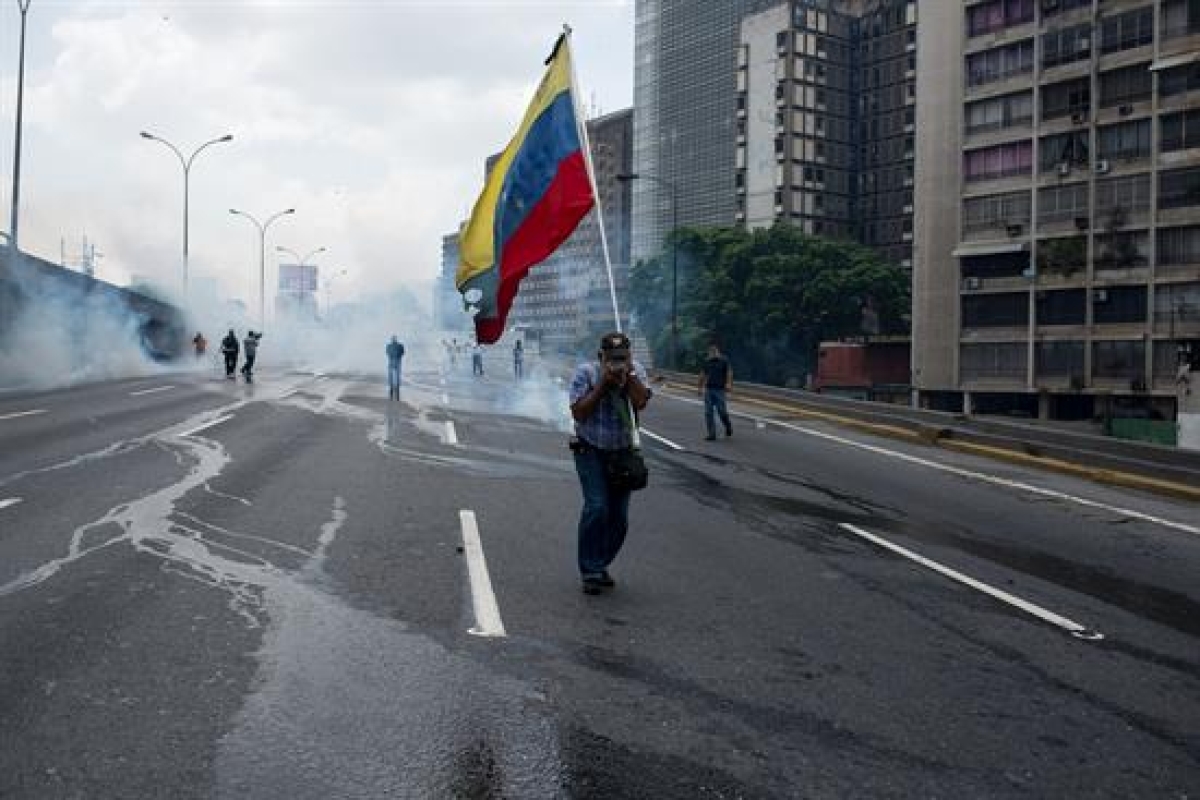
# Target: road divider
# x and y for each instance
(483, 598)
(17, 414)
(1072, 627)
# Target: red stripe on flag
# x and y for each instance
(567, 200)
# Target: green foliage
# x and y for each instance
(767, 297)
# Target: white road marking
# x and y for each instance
(483, 599)
(208, 424)
(967, 473)
(151, 391)
(445, 399)
(451, 436)
(16, 414)
(1074, 628)
(11, 501)
(662, 439)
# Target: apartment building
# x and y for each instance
(825, 121)
(1058, 227)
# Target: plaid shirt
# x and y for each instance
(604, 429)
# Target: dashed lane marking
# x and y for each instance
(483, 598)
(10, 501)
(16, 414)
(151, 391)
(1072, 627)
(206, 425)
(451, 435)
(662, 439)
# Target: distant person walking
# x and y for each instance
(477, 360)
(716, 379)
(229, 349)
(395, 352)
(251, 345)
(200, 344)
(518, 360)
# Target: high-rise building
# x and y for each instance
(1058, 223)
(448, 311)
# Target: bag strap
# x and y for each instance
(625, 412)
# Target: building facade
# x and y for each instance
(1058, 256)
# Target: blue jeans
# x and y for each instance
(605, 516)
(714, 400)
(393, 379)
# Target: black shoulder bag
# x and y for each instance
(626, 469)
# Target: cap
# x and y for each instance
(614, 341)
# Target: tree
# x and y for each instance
(768, 297)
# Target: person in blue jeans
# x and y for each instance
(395, 353)
(716, 378)
(600, 394)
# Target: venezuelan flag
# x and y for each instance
(537, 192)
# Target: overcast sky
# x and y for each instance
(371, 117)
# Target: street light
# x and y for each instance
(634, 176)
(299, 261)
(186, 163)
(262, 257)
(329, 289)
(16, 182)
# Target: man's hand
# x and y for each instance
(615, 374)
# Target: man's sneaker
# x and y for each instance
(712, 437)
(606, 580)
(593, 584)
(729, 430)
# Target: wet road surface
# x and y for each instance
(215, 590)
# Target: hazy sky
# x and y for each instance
(371, 117)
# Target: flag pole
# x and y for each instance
(581, 122)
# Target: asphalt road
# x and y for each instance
(213, 590)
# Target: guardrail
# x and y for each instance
(1068, 451)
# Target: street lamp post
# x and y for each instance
(16, 181)
(186, 163)
(674, 189)
(262, 257)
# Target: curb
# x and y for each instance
(935, 437)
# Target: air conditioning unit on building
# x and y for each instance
(1099, 295)
(972, 283)
(1102, 166)
(1014, 229)
(1082, 223)
(1125, 110)
(1137, 385)
(1064, 169)
(1049, 5)
(1083, 45)
(1079, 117)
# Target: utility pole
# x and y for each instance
(14, 220)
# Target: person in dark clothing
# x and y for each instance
(716, 379)
(518, 360)
(395, 352)
(251, 346)
(229, 349)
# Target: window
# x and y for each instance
(1063, 359)
(1070, 149)
(1125, 31)
(1117, 250)
(1067, 99)
(992, 360)
(1179, 80)
(1062, 308)
(1065, 255)
(1180, 18)
(1052, 9)
(1179, 246)
(1008, 310)
(995, 265)
(996, 212)
(1058, 203)
(1179, 188)
(1128, 194)
(1176, 303)
(1180, 131)
(1126, 140)
(999, 112)
(1128, 85)
(1119, 359)
(1119, 304)
(1066, 45)
(998, 15)
(1001, 161)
